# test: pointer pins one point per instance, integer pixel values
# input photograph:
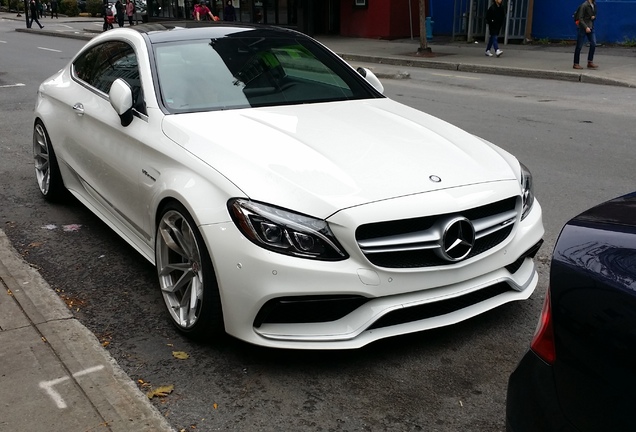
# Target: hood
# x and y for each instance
(320, 158)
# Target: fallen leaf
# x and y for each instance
(162, 391)
(215, 406)
(105, 344)
(181, 355)
(9, 292)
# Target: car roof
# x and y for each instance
(187, 30)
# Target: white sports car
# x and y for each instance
(281, 196)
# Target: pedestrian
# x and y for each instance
(109, 17)
(130, 11)
(33, 9)
(204, 13)
(495, 17)
(119, 10)
(585, 15)
(53, 8)
(40, 6)
(229, 13)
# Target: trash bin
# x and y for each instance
(429, 28)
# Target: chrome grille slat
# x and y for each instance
(492, 223)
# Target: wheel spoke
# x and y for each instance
(42, 159)
(171, 237)
(185, 278)
(179, 269)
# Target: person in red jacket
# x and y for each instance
(203, 13)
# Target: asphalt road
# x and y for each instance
(575, 138)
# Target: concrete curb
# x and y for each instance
(65, 34)
(109, 390)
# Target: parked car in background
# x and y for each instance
(141, 13)
(281, 197)
(580, 371)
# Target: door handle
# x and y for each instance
(78, 108)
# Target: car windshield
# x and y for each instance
(238, 72)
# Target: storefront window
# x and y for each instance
(275, 12)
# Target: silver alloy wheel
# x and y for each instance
(42, 159)
(178, 261)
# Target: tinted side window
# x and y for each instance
(104, 63)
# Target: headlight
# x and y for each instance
(527, 191)
(284, 231)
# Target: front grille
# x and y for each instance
(430, 310)
(413, 243)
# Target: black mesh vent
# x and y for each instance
(307, 309)
(435, 309)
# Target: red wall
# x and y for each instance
(383, 19)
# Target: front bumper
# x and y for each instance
(249, 277)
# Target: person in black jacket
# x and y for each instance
(585, 15)
(495, 17)
(33, 9)
(120, 8)
(229, 13)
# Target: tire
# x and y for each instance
(186, 275)
(47, 170)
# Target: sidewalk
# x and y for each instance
(617, 65)
(55, 375)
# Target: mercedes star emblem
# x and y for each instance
(458, 239)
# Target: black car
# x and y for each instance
(580, 373)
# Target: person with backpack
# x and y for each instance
(495, 17)
(585, 15)
(109, 16)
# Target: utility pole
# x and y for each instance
(26, 12)
(424, 48)
(528, 35)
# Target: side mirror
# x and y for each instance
(121, 99)
(371, 78)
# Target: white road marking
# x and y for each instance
(87, 371)
(455, 76)
(47, 386)
(3, 41)
(64, 25)
(12, 85)
(49, 49)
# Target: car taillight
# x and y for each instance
(543, 341)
